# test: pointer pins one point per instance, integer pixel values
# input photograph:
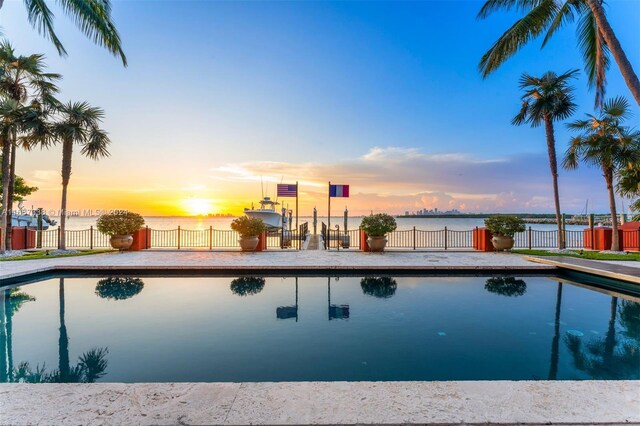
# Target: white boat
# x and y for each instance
(31, 221)
(267, 212)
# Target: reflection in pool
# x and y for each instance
(130, 329)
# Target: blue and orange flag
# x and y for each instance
(287, 190)
(338, 190)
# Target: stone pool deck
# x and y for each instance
(349, 403)
(276, 260)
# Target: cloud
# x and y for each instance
(397, 179)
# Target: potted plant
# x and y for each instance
(503, 228)
(377, 226)
(120, 226)
(249, 228)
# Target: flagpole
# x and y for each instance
(329, 214)
(297, 205)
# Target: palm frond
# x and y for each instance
(565, 15)
(41, 18)
(523, 31)
(97, 145)
(93, 18)
(491, 6)
(595, 54)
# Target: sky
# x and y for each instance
(222, 99)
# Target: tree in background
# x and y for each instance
(77, 123)
(547, 99)
(605, 143)
(596, 39)
(27, 96)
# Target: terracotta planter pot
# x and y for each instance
(121, 242)
(249, 243)
(377, 243)
(501, 243)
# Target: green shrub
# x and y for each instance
(504, 225)
(119, 223)
(378, 225)
(248, 226)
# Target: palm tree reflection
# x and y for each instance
(12, 300)
(555, 343)
(381, 287)
(90, 367)
(506, 286)
(610, 357)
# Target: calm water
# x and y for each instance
(250, 329)
(427, 224)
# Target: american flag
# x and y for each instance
(286, 190)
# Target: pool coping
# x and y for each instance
(272, 270)
(598, 268)
(338, 403)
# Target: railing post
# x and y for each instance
(414, 237)
(210, 237)
(445, 238)
(58, 245)
(593, 232)
(529, 242)
(178, 237)
(147, 237)
(91, 238)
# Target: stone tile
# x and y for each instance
(271, 259)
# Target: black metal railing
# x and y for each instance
(447, 239)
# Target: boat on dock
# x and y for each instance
(267, 212)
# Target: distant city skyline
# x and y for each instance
(386, 97)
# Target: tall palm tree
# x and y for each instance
(92, 17)
(79, 123)
(547, 99)
(596, 39)
(24, 81)
(605, 143)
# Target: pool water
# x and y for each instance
(206, 329)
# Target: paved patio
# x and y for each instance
(279, 260)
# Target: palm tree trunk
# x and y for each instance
(63, 340)
(609, 36)
(12, 179)
(615, 241)
(553, 164)
(67, 152)
(6, 156)
(555, 343)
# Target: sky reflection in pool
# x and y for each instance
(175, 329)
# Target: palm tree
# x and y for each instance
(78, 124)
(629, 186)
(596, 39)
(92, 17)
(24, 81)
(547, 99)
(605, 143)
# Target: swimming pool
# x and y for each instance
(213, 328)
